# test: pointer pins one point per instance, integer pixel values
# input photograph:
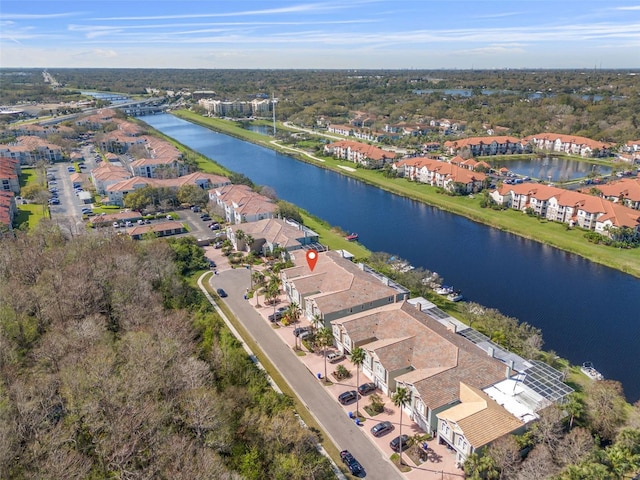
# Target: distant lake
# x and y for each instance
(262, 129)
(557, 169)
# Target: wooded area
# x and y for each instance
(112, 366)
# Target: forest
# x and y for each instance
(113, 366)
(598, 104)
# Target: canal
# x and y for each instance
(586, 312)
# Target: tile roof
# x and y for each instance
(479, 417)
(402, 336)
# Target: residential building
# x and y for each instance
(483, 146)
(8, 210)
(107, 174)
(475, 423)
(29, 150)
(271, 233)
(405, 346)
(573, 208)
(337, 287)
(359, 153)
(571, 144)
(158, 229)
(241, 204)
(448, 176)
(625, 192)
(9, 175)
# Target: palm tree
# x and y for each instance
(400, 399)
(357, 358)
(324, 337)
(293, 312)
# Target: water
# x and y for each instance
(587, 312)
(467, 92)
(555, 169)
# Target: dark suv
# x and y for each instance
(395, 443)
(348, 397)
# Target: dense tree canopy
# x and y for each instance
(111, 366)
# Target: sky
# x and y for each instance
(320, 34)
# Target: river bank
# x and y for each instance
(550, 233)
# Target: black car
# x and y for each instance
(349, 460)
(221, 293)
(396, 442)
(381, 429)
(348, 397)
(366, 388)
(206, 219)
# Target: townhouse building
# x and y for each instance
(338, 287)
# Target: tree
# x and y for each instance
(357, 358)
(324, 339)
(605, 407)
(401, 398)
(193, 195)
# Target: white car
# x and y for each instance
(335, 357)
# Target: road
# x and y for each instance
(341, 430)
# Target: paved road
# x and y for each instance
(341, 430)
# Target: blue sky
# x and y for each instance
(421, 34)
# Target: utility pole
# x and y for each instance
(273, 107)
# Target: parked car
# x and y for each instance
(382, 428)
(306, 334)
(54, 201)
(349, 396)
(217, 245)
(300, 330)
(277, 315)
(204, 215)
(349, 460)
(212, 264)
(206, 219)
(221, 293)
(398, 441)
(366, 388)
(116, 225)
(195, 208)
(86, 210)
(334, 357)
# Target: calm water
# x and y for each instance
(586, 312)
(555, 169)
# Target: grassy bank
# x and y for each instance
(550, 233)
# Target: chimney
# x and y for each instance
(452, 327)
(418, 306)
(490, 352)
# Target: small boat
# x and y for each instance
(590, 371)
(455, 296)
(444, 290)
(352, 237)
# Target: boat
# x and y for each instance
(444, 290)
(352, 237)
(590, 371)
(455, 296)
